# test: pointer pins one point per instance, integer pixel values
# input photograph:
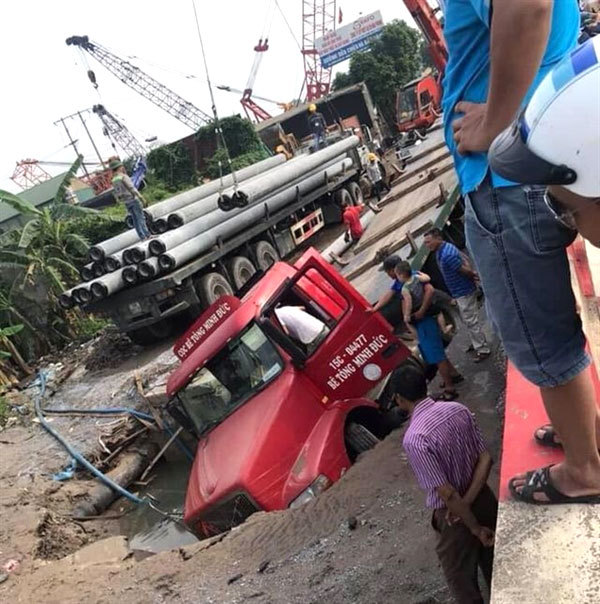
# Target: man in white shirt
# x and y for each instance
(302, 326)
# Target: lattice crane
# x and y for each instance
(118, 133)
(142, 83)
(318, 18)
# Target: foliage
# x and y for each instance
(172, 165)
(38, 262)
(7, 332)
(3, 410)
(239, 133)
(393, 60)
(89, 326)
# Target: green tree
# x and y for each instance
(172, 164)
(394, 58)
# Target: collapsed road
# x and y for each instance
(365, 539)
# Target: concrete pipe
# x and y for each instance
(260, 187)
(98, 269)
(113, 245)
(114, 262)
(160, 225)
(87, 272)
(192, 229)
(82, 295)
(149, 268)
(108, 284)
(130, 275)
(214, 202)
(183, 199)
(205, 240)
(66, 299)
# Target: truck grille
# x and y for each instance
(229, 513)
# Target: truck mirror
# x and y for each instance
(297, 355)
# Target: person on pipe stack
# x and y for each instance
(317, 126)
(374, 174)
(125, 192)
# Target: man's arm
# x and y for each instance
(422, 277)
(427, 297)
(459, 507)
(383, 300)
(519, 35)
(480, 476)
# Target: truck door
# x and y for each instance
(356, 349)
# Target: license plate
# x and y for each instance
(135, 308)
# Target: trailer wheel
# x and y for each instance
(151, 334)
(266, 255)
(241, 270)
(211, 287)
(359, 439)
(343, 196)
(356, 193)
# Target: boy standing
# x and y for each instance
(451, 464)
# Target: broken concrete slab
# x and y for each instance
(111, 550)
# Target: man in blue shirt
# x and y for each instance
(499, 52)
(460, 281)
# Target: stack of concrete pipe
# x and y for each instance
(198, 222)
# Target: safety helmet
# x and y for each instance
(115, 163)
(556, 139)
(312, 108)
(372, 157)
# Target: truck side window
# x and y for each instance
(425, 98)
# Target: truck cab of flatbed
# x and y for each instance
(278, 421)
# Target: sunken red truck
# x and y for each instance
(277, 422)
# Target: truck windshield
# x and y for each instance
(407, 101)
(229, 379)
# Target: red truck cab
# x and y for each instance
(418, 104)
(272, 415)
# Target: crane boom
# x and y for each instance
(118, 133)
(141, 82)
(431, 29)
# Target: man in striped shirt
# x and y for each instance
(451, 464)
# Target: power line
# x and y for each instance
(288, 26)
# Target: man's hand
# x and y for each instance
(371, 310)
(485, 535)
(471, 133)
(418, 315)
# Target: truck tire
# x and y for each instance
(356, 193)
(241, 270)
(359, 439)
(266, 255)
(152, 334)
(211, 287)
(343, 196)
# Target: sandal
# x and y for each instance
(448, 395)
(548, 438)
(539, 481)
(456, 379)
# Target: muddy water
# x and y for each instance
(148, 530)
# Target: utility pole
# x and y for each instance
(73, 142)
(91, 139)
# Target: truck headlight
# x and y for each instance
(316, 487)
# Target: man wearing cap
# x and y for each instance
(499, 53)
(317, 126)
(125, 192)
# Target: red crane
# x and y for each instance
(28, 173)
(318, 17)
(418, 103)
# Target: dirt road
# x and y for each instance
(367, 539)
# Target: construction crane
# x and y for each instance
(418, 104)
(141, 82)
(118, 133)
(28, 173)
(318, 18)
(264, 115)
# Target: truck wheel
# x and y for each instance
(343, 196)
(360, 439)
(241, 270)
(356, 193)
(211, 287)
(151, 334)
(266, 255)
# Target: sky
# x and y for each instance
(43, 79)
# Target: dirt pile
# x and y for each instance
(110, 349)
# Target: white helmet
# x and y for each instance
(556, 140)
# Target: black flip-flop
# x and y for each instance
(540, 481)
(547, 440)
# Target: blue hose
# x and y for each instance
(75, 454)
